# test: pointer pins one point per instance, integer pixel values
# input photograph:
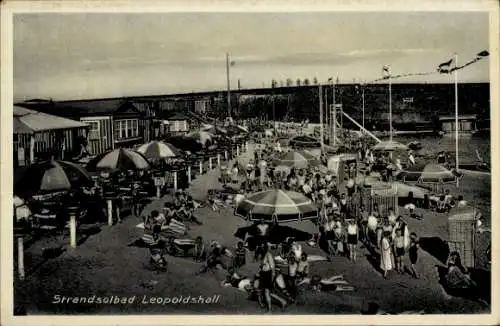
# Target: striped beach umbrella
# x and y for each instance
(51, 176)
(118, 159)
(296, 159)
(201, 136)
(277, 205)
(157, 150)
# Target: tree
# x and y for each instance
(289, 82)
(298, 82)
(282, 83)
(273, 83)
(315, 81)
(306, 81)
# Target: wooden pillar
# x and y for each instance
(72, 228)
(189, 173)
(237, 150)
(210, 163)
(158, 191)
(218, 159)
(109, 203)
(32, 149)
(20, 257)
(201, 166)
(225, 155)
(175, 180)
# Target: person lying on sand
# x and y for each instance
(240, 282)
(215, 258)
(334, 283)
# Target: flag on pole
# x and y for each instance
(444, 67)
(386, 71)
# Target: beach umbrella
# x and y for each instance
(296, 159)
(118, 159)
(51, 176)
(213, 129)
(435, 173)
(201, 136)
(157, 150)
(276, 205)
(389, 146)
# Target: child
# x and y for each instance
(413, 253)
(399, 250)
(240, 256)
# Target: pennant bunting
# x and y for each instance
(444, 67)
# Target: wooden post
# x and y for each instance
(201, 167)
(109, 203)
(246, 146)
(189, 173)
(218, 159)
(118, 213)
(210, 163)
(225, 155)
(32, 149)
(237, 150)
(20, 257)
(158, 191)
(72, 229)
(175, 180)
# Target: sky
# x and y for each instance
(98, 55)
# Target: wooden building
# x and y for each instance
(113, 123)
(39, 135)
(466, 124)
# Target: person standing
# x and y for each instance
(399, 250)
(413, 253)
(239, 256)
(267, 271)
(385, 254)
(352, 238)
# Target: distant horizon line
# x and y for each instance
(25, 99)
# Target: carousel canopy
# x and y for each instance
(119, 159)
(435, 173)
(277, 205)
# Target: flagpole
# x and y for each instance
(456, 111)
(321, 118)
(334, 115)
(326, 113)
(363, 104)
(390, 103)
(228, 86)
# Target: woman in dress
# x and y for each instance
(385, 254)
